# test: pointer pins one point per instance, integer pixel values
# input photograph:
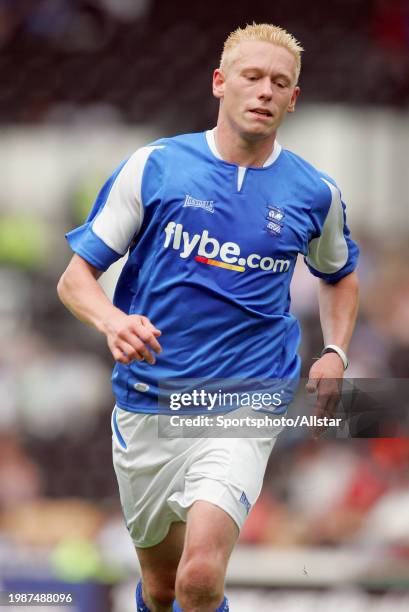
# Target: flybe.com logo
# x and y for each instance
(205, 249)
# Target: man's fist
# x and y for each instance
(132, 338)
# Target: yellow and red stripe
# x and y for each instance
(219, 264)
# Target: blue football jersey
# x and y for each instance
(212, 250)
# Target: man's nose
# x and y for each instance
(265, 90)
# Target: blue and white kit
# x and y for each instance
(212, 250)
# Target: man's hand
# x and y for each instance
(131, 337)
(325, 379)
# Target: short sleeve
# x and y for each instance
(116, 216)
(333, 254)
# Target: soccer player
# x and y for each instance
(213, 223)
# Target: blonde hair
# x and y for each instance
(264, 32)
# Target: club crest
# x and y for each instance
(274, 216)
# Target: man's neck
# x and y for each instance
(235, 149)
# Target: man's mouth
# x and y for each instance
(263, 112)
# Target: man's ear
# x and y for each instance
(295, 94)
(218, 83)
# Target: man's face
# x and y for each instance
(257, 89)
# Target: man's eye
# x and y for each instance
(280, 84)
(251, 77)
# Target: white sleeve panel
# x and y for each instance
(122, 214)
(329, 252)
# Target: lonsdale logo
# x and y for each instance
(207, 249)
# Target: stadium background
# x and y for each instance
(84, 83)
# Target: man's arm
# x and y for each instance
(338, 310)
(338, 305)
(129, 337)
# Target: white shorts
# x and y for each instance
(160, 478)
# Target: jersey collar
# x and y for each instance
(211, 141)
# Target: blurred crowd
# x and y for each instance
(144, 60)
(335, 493)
